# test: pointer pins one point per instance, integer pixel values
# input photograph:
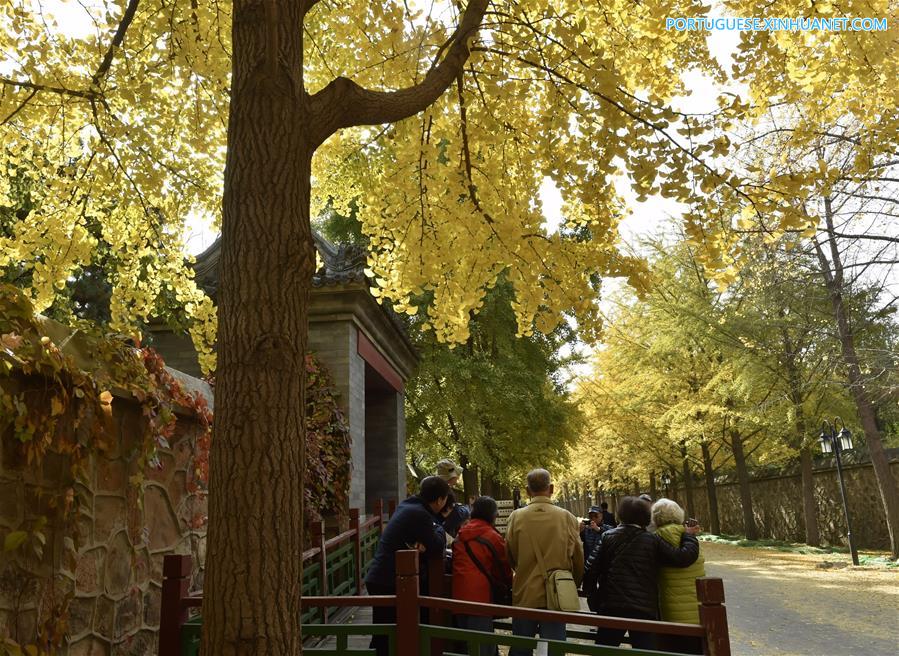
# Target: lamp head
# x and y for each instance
(826, 446)
(845, 439)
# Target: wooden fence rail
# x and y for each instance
(409, 637)
(335, 567)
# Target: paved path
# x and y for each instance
(781, 604)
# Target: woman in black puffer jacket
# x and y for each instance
(622, 572)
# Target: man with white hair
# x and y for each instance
(541, 538)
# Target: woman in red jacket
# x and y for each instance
(481, 570)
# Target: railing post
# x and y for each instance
(175, 584)
(407, 603)
(391, 508)
(437, 588)
(357, 548)
(318, 534)
(379, 513)
(713, 616)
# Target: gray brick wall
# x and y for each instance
(382, 450)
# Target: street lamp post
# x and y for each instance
(836, 443)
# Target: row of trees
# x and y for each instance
(693, 378)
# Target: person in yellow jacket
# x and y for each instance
(677, 585)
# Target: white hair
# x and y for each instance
(666, 511)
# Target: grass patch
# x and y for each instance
(864, 560)
(778, 545)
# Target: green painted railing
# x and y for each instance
(190, 637)
(474, 639)
(332, 568)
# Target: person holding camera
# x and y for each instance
(414, 525)
(591, 529)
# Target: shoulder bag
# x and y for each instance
(561, 590)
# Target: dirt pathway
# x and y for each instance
(781, 604)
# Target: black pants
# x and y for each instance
(680, 644)
(386, 615)
(381, 615)
(638, 639)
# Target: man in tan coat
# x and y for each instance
(553, 531)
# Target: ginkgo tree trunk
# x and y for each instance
(254, 560)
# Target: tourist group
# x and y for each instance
(641, 564)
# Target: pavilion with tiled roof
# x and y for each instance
(365, 349)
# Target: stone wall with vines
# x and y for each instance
(103, 467)
(104, 460)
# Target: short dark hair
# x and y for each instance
(484, 508)
(433, 488)
(450, 502)
(634, 510)
(604, 505)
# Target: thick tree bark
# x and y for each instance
(710, 489)
(736, 444)
(653, 488)
(251, 602)
(833, 278)
(688, 482)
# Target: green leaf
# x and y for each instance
(14, 540)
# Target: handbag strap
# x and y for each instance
(539, 554)
(497, 559)
(477, 563)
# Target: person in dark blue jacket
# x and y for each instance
(412, 526)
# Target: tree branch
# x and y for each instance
(343, 103)
(63, 91)
(116, 42)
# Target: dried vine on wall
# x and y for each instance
(51, 405)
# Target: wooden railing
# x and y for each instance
(335, 567)
(410, 637)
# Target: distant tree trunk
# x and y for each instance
(736, 443)
(672, 490)
(809, 506)
(710, 489)
(489, 486)
(889, 492)
(653, 488)
(469, 479)
(688, 481)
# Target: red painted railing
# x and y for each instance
(177, 569)
(408, 601)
